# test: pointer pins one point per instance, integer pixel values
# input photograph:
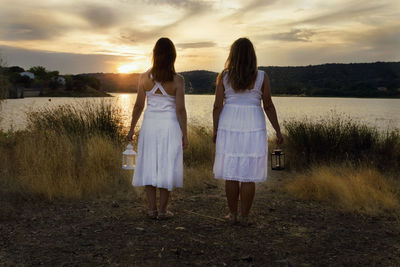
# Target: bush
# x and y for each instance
(340, 139)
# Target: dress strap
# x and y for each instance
(259, 80)
(157, 86)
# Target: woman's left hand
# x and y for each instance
(215, 137)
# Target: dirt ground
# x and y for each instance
(114, 231)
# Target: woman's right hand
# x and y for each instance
(279, 138)
(129, 137)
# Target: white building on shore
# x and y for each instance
(29, 74)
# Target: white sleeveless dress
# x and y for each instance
(241, 147)
(160, 159)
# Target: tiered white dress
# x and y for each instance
(241, 146)
(160, 159)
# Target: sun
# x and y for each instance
(128, 68)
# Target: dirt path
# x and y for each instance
(114, 231)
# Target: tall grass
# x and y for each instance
(198, 160)
(75, 152)
(363, 190)
(338, 138)
(79, 121)
(65, 152)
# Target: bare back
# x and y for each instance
(170, 87)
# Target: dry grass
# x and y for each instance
(69, 153)
(198, 160)
(363, 190)
(201, 149)
(51, 165)
(65, 153)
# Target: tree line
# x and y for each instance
(44, 80)
(380, 79)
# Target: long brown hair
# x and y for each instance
(241, 64)
(164, 55)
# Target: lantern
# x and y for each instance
(129, 158)
(277, 160)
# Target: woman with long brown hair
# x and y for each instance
(239, 127)
(163, 132)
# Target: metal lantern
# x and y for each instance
(277, 160)
(129, 158)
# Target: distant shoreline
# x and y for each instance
(283, 95)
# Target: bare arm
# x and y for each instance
(181, 111)
(269, 108)
(138, 108)
(218, 103)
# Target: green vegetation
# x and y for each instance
(380, 79)
(49, 83)
(200, 81)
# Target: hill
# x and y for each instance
(379, 79)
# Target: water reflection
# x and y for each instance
(383, 113)
(125, 103)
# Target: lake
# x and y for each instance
(382, 113)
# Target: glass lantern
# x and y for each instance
(129, 158)
(277, 160)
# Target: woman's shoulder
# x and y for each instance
(145, 75)
(262, 74)
(178, 77)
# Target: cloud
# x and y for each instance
(196, 45)
(66, 63)
(189, 5)
(31, 27)
(383, 41)
(295, 35)
(100, 16)
(346, 13)
(248, 7)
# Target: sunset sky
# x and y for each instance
(118, 35)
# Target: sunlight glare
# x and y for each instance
(128, 68)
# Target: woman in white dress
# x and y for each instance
(239, 127)
(163, 133)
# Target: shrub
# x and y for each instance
(340, 139)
